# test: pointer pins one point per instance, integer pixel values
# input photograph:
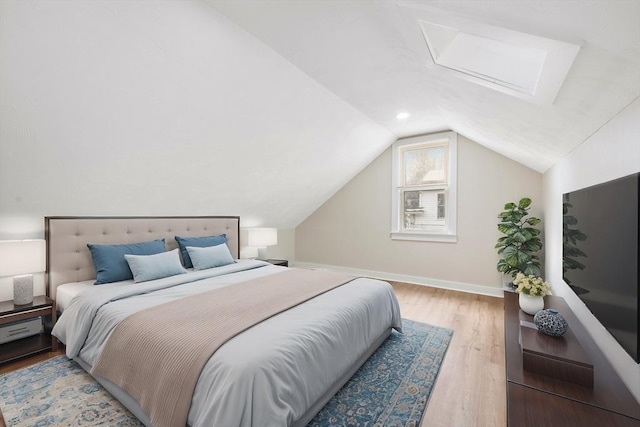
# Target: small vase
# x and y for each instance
(530, 304)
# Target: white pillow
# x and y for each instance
(151, 267)
(209, 257)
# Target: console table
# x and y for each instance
(539, 400)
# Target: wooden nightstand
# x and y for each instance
(281, 262)
(42, 306)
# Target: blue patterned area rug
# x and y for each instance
(391, 389)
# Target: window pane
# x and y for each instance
(426, 165)
(422, 211)
(441, 206)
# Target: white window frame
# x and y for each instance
(450, 189)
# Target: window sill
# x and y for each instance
(424, 237)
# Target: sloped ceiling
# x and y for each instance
(366, 53)
(163, 108)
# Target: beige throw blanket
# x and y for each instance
(157, 354)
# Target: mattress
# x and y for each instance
(67, 291)
(303, 351)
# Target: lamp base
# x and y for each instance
(23, 289)
(262, 253)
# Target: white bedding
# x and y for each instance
(268, 375)
(66, 292)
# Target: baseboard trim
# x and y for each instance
(416, 280)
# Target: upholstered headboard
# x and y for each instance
(69, 259)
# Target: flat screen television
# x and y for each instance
(600, 254)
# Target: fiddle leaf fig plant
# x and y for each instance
(521, 241)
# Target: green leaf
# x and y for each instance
(509, 241)
(532, 231)
(502, 266)
(524, 203)
(531, 269)
(523, 257)
(518, 214)
(515, 257)
(521, 236)
(570, 220)
(503, 242)
(510, 251)
(505, 268)
(509, 216)
(533, 221)
(533, 245)
(509, 206)
(507, 229)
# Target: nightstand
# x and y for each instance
(281, 262)
(10, 313)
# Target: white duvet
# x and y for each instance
(269, 375)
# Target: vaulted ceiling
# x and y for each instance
(264, 108)
(370, 54)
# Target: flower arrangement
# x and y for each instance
(531, 285)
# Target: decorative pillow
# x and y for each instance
(209, 257)
(151, 267)
(109, 262)
(197, 242)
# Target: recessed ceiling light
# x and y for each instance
(402, 116)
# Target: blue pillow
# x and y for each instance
(197, 242)
(109, 262)
(151, 267)
(212, 256)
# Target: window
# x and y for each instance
(424, 188)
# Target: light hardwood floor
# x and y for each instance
(471, 386)
(470, 390)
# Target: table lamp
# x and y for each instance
(21, 258)
(261, 238)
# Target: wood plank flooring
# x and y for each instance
(470, 390)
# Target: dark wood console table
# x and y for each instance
(539, 400)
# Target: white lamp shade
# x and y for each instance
(21, 257)
(262, 237)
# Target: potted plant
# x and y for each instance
(532, 290)
(521, 241)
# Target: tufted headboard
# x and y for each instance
(69, 259)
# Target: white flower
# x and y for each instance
(531, 285)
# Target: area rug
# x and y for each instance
(391, 389)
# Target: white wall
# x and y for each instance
(612, 152)
(162, 108)
(352, 229)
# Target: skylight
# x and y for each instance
(519, 64)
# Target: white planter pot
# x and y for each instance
(530, 305)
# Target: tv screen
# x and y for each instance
(600, 254)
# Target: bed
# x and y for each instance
(281, 371)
